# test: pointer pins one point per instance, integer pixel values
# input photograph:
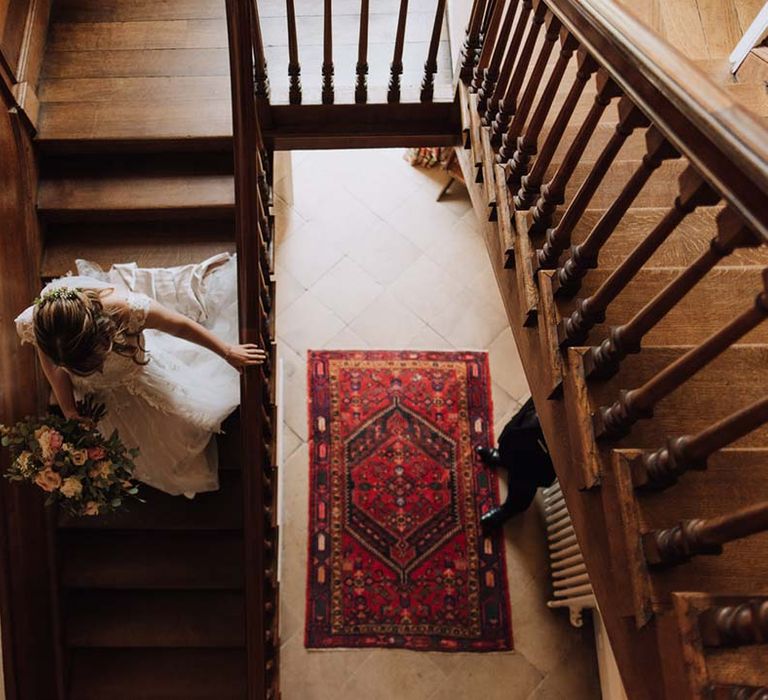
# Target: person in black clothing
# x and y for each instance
(523, 452)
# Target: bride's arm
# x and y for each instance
(60, 383)
(239, 356)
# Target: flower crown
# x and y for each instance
(58, 293)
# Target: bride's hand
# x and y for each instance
(240, 356)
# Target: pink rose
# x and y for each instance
(48, 480)
(91, 508)
(50, 441)
(96, 453)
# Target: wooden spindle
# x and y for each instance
(526, 145)
(261, 78)
(558, 239)
(616, 420)
(738, 692)
(396, 70)
(490, 39)
(489, 107)
(472, 40)
(361, 87)
(491, 72)
(693, 193)
(327, 93)
(662, 468)
(507, 105)
(430, 67)
(735, 625)
(584, 256)
(603, 361)
(530, 184)
(676, 545)
(294, 67)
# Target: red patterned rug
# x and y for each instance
(396, 555)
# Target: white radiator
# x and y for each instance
(572, 589)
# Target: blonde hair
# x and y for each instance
(77, 333)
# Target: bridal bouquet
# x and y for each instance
(80, 469)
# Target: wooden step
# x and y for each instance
(717, 299)
(136, 197)
(167, 560)
(157, 674)
(147, 243)
(217, 510)
(141, 619)
(144, 126)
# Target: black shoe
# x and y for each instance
(495, 518)
(489, 456)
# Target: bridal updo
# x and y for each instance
(75, 331)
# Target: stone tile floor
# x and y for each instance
(366, 258)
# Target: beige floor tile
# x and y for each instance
(382, 252)
(471, 324)
(426, 288)
(318, 675)
(347, 289)
(390, 673)
(429, 339)
(576, 676)
(287, 219)
(381, 192)
(460, 250)
(422, 220)
(291, 441)
(307, 258)
(504, 407)
(307, 323)
(288, 290)
(386, 323)
(490, 677)
(346, 339)
(506, 367)
(294, 389)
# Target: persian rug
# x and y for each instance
(396, 554)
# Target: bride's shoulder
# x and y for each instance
(129, 308)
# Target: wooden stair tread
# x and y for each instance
(142, 619)
(167, 560)
(710, 305)
(148, 243)
(217, 510)
(93, 126)
(168, 196)
(157, 674)
(713, 393)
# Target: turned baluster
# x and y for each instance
(487, 81)
(662, 468)
(396, 70)
(558, 239)
(739, 692)
(489, 107)
(294, 67)
(678, 544)
(526, 145)
(584, 257)
(507, 105)
(472, 41)
(530, 184)
(694, 192)
(603, 361)
(361, 69)
(616, 420)
(327, 93)
(735, 625)
(490, 40)
(261, 78)
(430, 67)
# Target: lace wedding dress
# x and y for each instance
(170, 407)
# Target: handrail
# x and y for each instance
(252, 235)
(694, 114)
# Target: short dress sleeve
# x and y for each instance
(25, 325)
(138, 306)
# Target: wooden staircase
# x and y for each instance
(624, 196)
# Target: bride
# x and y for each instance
(159, 347)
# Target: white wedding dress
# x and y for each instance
(171, 407)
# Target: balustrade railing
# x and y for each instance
(254, 233)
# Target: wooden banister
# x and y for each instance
(491, 45)
(491, 73)
(361, 69)
(430, 67)
(735, 625)
(327, 70)
(261, 77)
(676, 545)
(396, 69)
(294, 67)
